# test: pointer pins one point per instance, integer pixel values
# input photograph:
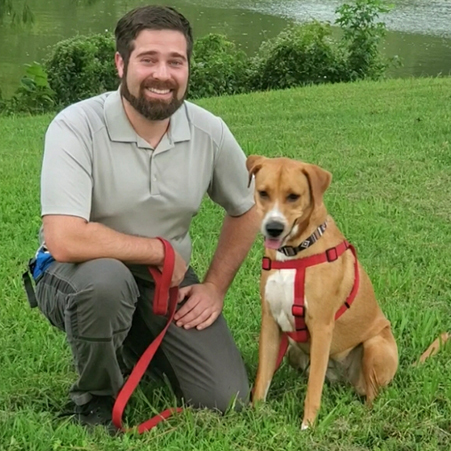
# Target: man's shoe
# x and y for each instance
(97, 412)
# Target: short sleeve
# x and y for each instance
(66, 176)
(229, 185)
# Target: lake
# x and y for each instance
(419, 30)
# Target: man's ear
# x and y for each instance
(118, 60)
(253, 165)
(319, 180)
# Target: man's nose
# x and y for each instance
(161, 71)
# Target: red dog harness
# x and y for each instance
(301, 334)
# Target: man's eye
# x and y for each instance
(293, 197)
(263, 195)
(175, 63)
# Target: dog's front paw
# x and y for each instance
(305, 425)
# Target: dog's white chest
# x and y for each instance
(279, 293)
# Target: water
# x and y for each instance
(419, 30)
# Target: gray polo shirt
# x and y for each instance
(96, 167)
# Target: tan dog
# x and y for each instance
(355, 343)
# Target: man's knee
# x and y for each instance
(105, 297)
(108, 280)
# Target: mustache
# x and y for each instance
(156, 84)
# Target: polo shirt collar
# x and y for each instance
(179, 127)
(120, 129)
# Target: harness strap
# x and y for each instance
(355, 287)
(165, 302)
(298, 307)
(282, 350)
(330, 255)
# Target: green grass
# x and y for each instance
(388, 146)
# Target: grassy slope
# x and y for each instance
(388, 146)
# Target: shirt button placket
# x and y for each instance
(153, 178)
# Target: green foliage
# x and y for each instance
(307, 54)
(300, 55)
(34, 94)
(362, 34)
(82, 67)
(217, 68)
(17, 12)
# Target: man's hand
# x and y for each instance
(180, 269)
(202, 308)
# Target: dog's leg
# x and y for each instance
(379, 363)
(321, 338)
(270, 338)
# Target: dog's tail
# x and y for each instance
(434, 348)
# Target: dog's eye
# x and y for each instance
(293, 197)
(263, 194)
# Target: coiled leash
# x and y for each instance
(164, 303)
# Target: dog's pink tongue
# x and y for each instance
(272, 244)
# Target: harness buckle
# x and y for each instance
(266, 263)
(298, 310)
(331, 254)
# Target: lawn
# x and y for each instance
(388, 146)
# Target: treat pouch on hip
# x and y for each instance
(36, 267)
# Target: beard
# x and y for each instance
(152, 109)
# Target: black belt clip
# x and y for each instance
(28, 284)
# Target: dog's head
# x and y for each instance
(287, 193)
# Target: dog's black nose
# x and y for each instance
(274, 229)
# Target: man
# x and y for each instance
(119, 170)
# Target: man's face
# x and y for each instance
(155, 80)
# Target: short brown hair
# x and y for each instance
(150, 17)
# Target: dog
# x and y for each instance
(315, 295)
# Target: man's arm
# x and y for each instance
(71, 239)
(237, 236)
(206, 300)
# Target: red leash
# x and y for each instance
(163, 294)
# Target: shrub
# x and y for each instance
(362, 35)
(217, 68)
(34, 94)
(300, 55)
(82, 67)
(307, 54)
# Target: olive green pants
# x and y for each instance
(106, 313)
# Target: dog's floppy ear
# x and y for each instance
(253, 165)
(319, 180)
